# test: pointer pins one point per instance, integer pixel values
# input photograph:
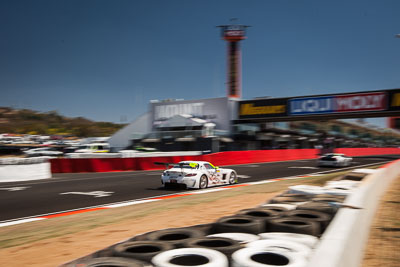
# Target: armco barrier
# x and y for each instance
(343, 242)
(354, 152)
(72, 165)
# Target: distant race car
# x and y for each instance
(197, 174)
(43, 151)
(334, 160)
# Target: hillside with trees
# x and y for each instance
(25, 121)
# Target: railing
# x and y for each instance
(187, 133)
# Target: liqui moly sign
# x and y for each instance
(339, 103)
(361, 102)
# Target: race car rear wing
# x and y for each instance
(166, 164)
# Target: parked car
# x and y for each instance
(334, 160)
(43, 151)
(93, 148)
(197, 174)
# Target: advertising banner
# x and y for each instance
(339, 103)
(360, 102)
(311, 105)
(215, 110)
(262, 108)
(394, 100)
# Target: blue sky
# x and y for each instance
(104, 59)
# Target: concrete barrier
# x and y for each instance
(24, 169)
(343, 243)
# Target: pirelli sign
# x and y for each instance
(260, 108)
(394, 100)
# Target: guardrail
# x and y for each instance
(343, 243)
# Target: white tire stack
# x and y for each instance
(242, 238)
(259, 257)
(307, 240)
(306, 189)
(200, 257)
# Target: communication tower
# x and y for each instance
(233, 34)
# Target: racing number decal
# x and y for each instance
(213, 174)
(214, 178)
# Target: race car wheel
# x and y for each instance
(190, 257)
(203, 183)
(112, 261)
(232, 178)
(141, 250)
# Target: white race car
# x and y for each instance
(197, 174)
(334, 160)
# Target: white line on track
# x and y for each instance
(303, 167)
(243, 176)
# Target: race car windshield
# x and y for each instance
(187, 165)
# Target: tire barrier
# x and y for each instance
(328, 198)
(240, 224)
(224, 245)
(321, 218)
(279, 207)
(291, 194)
(256, 257)
(242, 238)
(174, 236)
(338, 192)
(190, 257)
(295, 225)
(275, 245)
(262, 214)
(342, 184)
(112, 261)
(307, 240)
(320, 206)
(288, 200)
(141, 250)
(306, 189)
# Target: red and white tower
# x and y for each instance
(233, 34)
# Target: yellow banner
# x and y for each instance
(396, 100)
(250, 109)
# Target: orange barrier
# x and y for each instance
(64, 165)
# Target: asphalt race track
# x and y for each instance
(75, 191)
